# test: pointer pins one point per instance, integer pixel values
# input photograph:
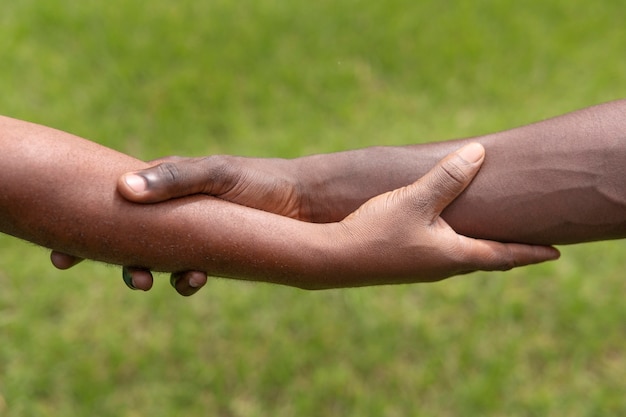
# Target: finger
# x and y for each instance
(487, 255)
(63, 260)
(137, 278)
(189, 282)
(447, 180)
(173, 179)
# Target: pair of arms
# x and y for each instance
(557, 181)
(59, 191)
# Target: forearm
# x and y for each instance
(59, 191)
(562, 180)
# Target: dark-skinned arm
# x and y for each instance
(558, 181)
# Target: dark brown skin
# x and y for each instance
(59, 191)
(559, 181)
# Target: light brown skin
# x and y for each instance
(558, 181)
(59, 191)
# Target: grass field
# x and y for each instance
(280, 78)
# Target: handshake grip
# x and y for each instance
(265, 186)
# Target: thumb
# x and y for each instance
(151, 185)
(176, 177)
(447, 180)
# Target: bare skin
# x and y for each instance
(559, 181)
(59, 191)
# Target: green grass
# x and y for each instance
(277, 78)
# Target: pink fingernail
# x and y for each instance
(135, 183)
(472, 152)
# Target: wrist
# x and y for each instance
(332, 258)
(314, 181)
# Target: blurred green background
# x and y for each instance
(280, 78)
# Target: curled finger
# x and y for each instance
(63, 261)
(487, 255)
(188, 282)
(137, 278)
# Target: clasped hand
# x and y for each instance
(396, 237)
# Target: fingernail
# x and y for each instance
(128, 278)
(472, 152)
(556, 254)
(173, 280)
(136, 183)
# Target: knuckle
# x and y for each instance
(506, 265)
(493, 257)
(216, 165)
(452, 170)
(168, 173)
(402, 200)
(216, 171)
(505, 261)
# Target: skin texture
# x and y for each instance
(558, 181)
(59, 191)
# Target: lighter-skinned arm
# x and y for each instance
(59, 191)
